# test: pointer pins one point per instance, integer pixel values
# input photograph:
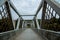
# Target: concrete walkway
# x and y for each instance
(28, 34)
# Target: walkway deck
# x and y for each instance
(28, 34)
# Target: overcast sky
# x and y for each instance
(27, 7)
(58, 1)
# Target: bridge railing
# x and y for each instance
(50, 15)
(10, 35)
(5, 17)
(50, 20)
(6, 22)
(48, 34)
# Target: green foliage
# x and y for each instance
(52, 24)
(5, 25)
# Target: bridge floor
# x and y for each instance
(28, 34)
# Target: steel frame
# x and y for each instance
(45, 14)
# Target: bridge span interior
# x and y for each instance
(46, 28)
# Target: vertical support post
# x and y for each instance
(33, 24)
(43, 12)
(14, 24)
(18, 24)
(23, 24)
(9, 14)
(38, 27)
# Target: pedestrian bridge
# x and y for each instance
(48, 28)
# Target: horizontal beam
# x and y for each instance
(27, 15)
(54, 5)
(2, 2)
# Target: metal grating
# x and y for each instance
(50, 13)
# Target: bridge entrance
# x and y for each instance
(28, 24)
(20, 29)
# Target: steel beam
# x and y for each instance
(39, 8)
(33, 23)
(54, 5)
(18, 24)
(23, 24)
(27, 15)
(2, 2)
(14, 24)
(38, 27)
(43, 12)
(9, 13)
(14, 8)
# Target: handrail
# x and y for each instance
(10, 35)
(11, 31)
(48, 34)
(7, 32)
(50, 31)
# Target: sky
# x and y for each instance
(27, 7)
(58, 1)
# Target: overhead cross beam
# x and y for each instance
(39, 8)
(56, 6)
(11, 4)
(27, 15)
(14, 8)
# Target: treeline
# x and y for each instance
(5, 25)
(52, 24)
